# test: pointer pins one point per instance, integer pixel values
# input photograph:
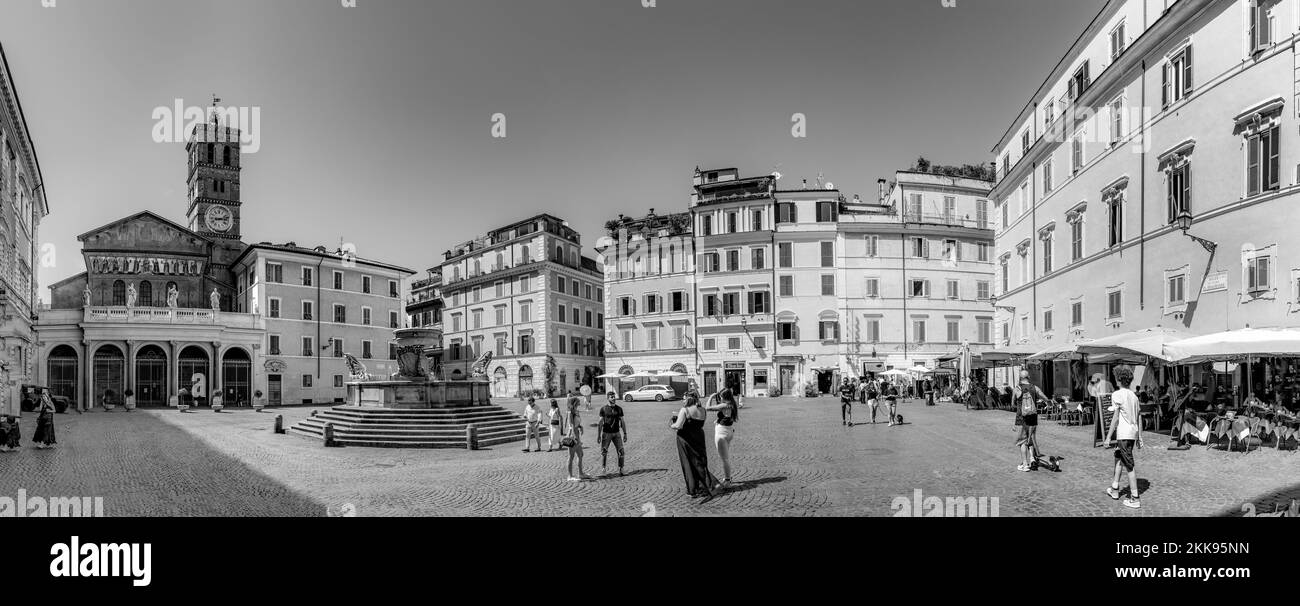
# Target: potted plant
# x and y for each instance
(258, 402)
(129, 402)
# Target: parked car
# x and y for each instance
(658, 393)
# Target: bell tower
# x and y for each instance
(213, 181)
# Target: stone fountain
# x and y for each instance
(414, 386)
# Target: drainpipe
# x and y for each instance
(903, 212)
(319, 311)
(1142, 204)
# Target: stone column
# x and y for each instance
(130, 369)
(87, 376)
(214, 381)
(173, 370)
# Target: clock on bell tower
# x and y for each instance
(213, 181)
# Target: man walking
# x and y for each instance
(1027, 399)
(1125, 423)
(533, 417)
(611, 424)
(846, 403)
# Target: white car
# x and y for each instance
(658, 393)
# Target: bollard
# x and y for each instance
(329, 436)
(471, 437)
(279, 423)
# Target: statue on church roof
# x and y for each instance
(214, 300)
(173, 296)
(131, 295)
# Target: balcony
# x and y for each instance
(165, 315)
(945, 219)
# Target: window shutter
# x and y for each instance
(1073, 91)
(1274, 159)
(1187, 70)
(1165, 90)
(1187, 188)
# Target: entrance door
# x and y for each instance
(710, 383)
(787, 380)
(825, 381)
(273, 390)
(151, 377)
(736, 380)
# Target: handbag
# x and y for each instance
(568, 442)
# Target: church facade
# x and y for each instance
(163, 306)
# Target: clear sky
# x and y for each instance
(376, 121)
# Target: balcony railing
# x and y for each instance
(945, 219)
(166, 315)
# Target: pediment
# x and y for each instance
(144, 232)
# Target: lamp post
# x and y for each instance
(1184, 222)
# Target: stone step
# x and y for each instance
(388, 428)
(458, 420)
(453, 428)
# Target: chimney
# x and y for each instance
(882, 189)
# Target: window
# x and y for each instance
(706, 225)
(653, 304)
(1263, 155)
(1047, 321)
(730, 304)
(733, 343)
(828, 331)
(733, 260)
(392, 351)
(710, 344)
(307, 310)
(274, 344)
(1049, 243)
(1025, 143)
(873, 246)
(982, 214)
(306, 380)
(340, 314)
(273, 307)
(785, 254)
(1116, 120)
(525, 345)
(1177, 77)
(365, 284)
(982, 252)
(949, 209)
(560, 285)
(392, 319)
(1114, 304)
(787, 286)
(1024, 265)
(626, 306)
(954, 331)
(1117, 41)
(338, 347)
(1005, 264)
(1076, 153)
(679, 337)
(951, 251)
(455, 323)
(919, 288)
(914, 208)
(651, 338)
(982, 290)
(575, 288)
(828, 285)
(501, 316)
(985, 331)
(1076, 238)
(1258, 276)
(1263, 24)
(524, 284)
(560, 345)
(1076, 314)
(338, 280)
(757, 220)
(338, 381)
(367, 350)
(274, 273)
(1079, 82)
(785, 331)
(953, 290)
(873, 288)
(827, 212)
(918, 331)
(920, 248)
(1025, 202)
(308, 348)
(756, 260)
(712, 262)
(476, 318)
(1049, 114)
(1178, 182)
(760, 343)
(365, 316)
(732, 222)
(1176, 293)
(677, 301)
(873, 330)
(1047, 176)
(1115, 216)
(828, 254)
(787, 212)
(307, 276)
(760, 302)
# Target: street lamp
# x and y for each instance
(1184, 222)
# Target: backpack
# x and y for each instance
(609, 421)
(1027, 405)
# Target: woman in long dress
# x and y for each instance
(44, 437)
(691, 449)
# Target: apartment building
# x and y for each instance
(649, 265)
(1151, 180)
(735, 231)
(526, 293)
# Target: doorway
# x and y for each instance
(787, 380)
(736, 381)
(274, 390)
(710, 382)
(825, 381)
(151, 377)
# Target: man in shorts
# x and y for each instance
(1126, 425)
(1026, 400)
(846, 403)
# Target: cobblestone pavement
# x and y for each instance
(792, 457)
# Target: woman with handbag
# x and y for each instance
(555, 417)
(691, 449)
(724, 429)
(573, 441)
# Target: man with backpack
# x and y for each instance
(1027, 398)
(611, 424)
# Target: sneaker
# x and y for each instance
(526, 450)
(1022, 467)
(1113, 493)
(1133, 503)
(573, 479)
